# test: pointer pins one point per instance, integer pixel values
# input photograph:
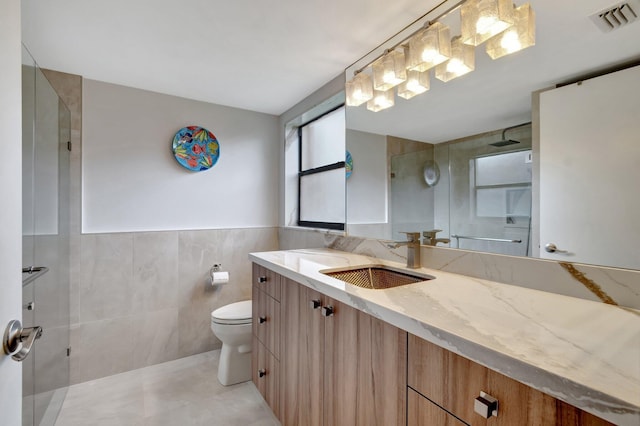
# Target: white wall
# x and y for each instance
(10, 196)
(132, 182)
(367, 194)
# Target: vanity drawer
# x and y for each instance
(449, 380)
(266, 320)
(422, 412)
(266, 375)
(267, 280)
(454, 383)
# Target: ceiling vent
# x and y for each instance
(617, 16)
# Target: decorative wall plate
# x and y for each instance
(196, 148)
(348, 164)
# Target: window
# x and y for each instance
(321, 172)
(503, 185)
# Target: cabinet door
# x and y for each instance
(422, 412)
(301, 356)
(365, 369)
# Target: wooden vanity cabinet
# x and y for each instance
(339, 366)
(452, 383)
(319, 362)
(266, 330)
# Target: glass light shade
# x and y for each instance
(359, 89)
(520, 36)
(417, 82)
(389, 71)
(462, 61)
(429, 47)
(381, 100)
(482, 19)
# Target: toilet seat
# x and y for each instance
(234, 314)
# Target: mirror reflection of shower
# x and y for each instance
(490, 192)
(475, 190)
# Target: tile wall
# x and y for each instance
(145, 298)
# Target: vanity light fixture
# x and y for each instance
(406, 64)
(381, 100)
(359, 89)
(429, 47)
(463, 60)
(482, 19)
(518, 37)
(417, 82)
(390, 70)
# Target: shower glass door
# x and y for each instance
(46, 131)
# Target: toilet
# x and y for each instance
(232, 325)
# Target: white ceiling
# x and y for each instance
(261, 55)
(267, 55)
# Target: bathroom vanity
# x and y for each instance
(435, 352)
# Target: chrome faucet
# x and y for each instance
(430, 238)
(413, 248)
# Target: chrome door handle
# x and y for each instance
(552, 248)
(18, 341)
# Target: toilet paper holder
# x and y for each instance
(217, 275)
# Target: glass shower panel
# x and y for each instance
(412, 199)
(51, 290)
(28, 224)
(45, 160)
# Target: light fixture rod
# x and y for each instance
(404, 40)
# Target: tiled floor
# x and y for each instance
(185, 392)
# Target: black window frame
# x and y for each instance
(340, 226)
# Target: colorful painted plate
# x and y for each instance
(348, 164)
(196, 148)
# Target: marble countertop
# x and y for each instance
(581, 352)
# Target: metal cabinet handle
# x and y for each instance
(552, 248)
(262, 320)
(262, 280)
(315, 304)
(486, 405)
(327, 311)
(262, 372)
(18, 341)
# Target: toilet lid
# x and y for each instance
(238, 312)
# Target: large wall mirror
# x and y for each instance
(533, 154)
